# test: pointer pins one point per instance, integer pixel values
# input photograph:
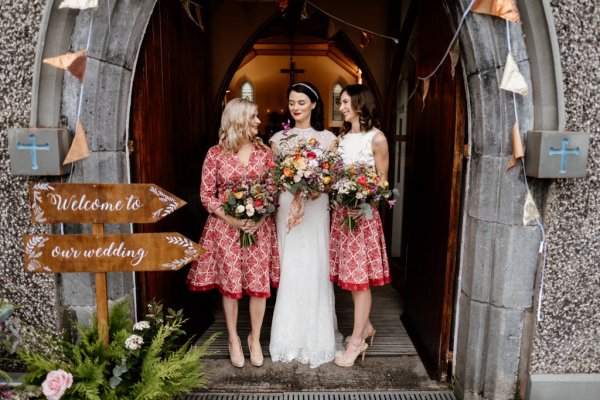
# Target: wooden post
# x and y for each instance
(101, 295)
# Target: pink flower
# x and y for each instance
(56, 383)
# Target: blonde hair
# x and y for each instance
(235, 124)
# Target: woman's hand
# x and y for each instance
(313, 195)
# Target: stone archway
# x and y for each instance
(499, 254)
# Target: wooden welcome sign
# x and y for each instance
(98, 204)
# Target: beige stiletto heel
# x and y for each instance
(255, 359)
(346, 363)
(238, 361)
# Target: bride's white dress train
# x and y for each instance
(304, 324)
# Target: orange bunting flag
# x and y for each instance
(517, 145)
(512, 79)
(506, 9)
(79, 148)
(365, 39)
(72, 62)
(79, 4)
(425, 91)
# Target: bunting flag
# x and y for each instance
(304, 15)
(425, 91)
(79, 148)
(282, 4)
(454, 56)
(79, 4)
(365, 39)
(197, 11)
(517, 146)
(72, 62)
(333, 28)
(512, 79)
(505, 9)
(530, 210)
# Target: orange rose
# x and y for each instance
(287, 171)
(312, 141)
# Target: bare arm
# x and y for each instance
(381, 154)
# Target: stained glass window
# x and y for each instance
(336, 115)
(247, 91)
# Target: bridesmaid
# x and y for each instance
(358, 257)
(233, 270)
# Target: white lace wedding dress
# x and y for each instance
(304, 322)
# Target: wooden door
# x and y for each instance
(436, 132)
(169, 137)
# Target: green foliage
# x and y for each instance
(144, 361)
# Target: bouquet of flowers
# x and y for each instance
(360, 187)
(305, 167)
(250, 200)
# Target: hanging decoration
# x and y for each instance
(454, 57)
(79, 148)
(197, 17)
(506, 9)
(348, 23)
(79, 4)
(365, 39)
(304, 15)
(73, 62)
(333, 28)
(530, 210)
(282, 4)
(517, 145)
(425, 91)
(512, 79)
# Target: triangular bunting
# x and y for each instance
(454, 56)
(506, 9)
(425, 91)
(332, 28)
(73, 62)
(365, 39)
(79, 148)
(79, 4)
(512, 80)
(530, 210)
(197, 11)
(517, 146)
(282, 4)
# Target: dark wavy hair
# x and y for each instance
(363, 103)
(317, 116)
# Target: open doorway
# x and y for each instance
(179, 91)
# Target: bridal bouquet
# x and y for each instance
(304, 169)
(250, 200)
(360, 187)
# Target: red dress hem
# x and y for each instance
(236, 296)
(360, 286)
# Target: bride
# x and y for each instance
(304, 321)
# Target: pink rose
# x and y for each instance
(56, 383)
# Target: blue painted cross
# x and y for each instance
(563, 151)
(34, 148)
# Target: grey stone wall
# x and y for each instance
(567, 337)
(34, 294)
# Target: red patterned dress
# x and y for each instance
(358, 258)
(225, 264)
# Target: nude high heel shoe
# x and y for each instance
(348, 361)
(256, 357)
(370, 333)
(237, 361)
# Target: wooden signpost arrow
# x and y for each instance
(98, 204)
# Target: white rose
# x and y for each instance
(297, 178)
(359, 195)
(240, 209)
(249, 210)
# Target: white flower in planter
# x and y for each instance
(134, 342)
(141, 326)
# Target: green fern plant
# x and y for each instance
(144, 361)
